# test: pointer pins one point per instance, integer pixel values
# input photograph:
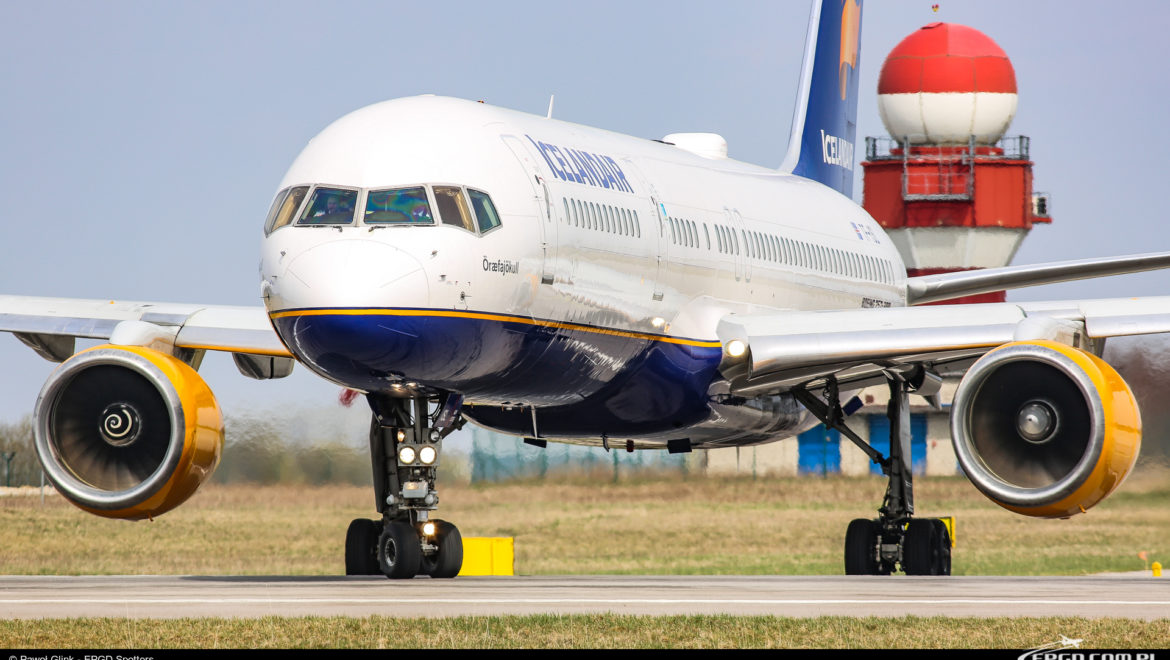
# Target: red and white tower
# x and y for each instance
(950, 190)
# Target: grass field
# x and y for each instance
(581, 526)
(593, 631)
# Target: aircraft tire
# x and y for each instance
(944, 547)
(921, 548)
(399, 551)
(361, 548)
(449, 559)
(860, 547)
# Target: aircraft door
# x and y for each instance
(739, 249)
(547, 216)
(748, 248)
(661, 231)
(654, 227)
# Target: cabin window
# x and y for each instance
(398, 206)
(453, 208)
(329, 206)
(485, 211)
(706, 236)
(284, 207)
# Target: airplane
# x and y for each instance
(457, 262)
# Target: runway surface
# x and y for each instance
(1140, 597)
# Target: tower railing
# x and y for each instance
(942, 172)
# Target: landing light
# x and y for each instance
(406, 455)
(428, 529)
(736, 348)
(427, 455)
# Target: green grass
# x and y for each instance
(576, 631)
(778, 526)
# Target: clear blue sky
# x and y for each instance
(141, 142)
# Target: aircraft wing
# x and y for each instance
(786, 350)
(51, 325)
(946, 286)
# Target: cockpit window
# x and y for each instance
(485, 211)
(453, 209)
(399, 206)
(329, 206)
(276, 204)
(284, 207)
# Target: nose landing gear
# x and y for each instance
(405, 443)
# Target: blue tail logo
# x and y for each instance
(824, 125)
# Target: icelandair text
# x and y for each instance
(582, 167)
(836, 151)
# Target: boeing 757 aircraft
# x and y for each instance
(457, 262)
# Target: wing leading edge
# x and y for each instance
(51, 325)
(801, 349)
(947, 286)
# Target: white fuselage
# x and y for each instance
(610, 251)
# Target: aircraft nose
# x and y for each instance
(351, 273)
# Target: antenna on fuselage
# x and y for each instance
(551, 98)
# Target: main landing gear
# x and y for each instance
(895, 538)
(405, 442)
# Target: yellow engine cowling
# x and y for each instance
(1045, 429)
(127, 432)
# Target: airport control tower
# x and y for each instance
(950, 190)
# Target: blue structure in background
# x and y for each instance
(820, 451)
(879, 439)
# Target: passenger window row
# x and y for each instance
(456, 206)
(602, 217)
(686, 233)
(777, 249)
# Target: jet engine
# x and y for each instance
(1045, 429)
(127, 432)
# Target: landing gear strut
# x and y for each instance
(405, 443)
(895, 538)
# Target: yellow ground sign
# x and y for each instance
(488, 556)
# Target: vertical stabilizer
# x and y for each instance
(824, 124)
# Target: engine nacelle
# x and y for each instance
(127, 432)
(1045, 429)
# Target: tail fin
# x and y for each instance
(824, 124)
